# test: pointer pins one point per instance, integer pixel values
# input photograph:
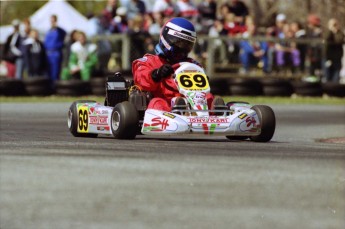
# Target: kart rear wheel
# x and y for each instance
(267, 121)
(124, 121)
(73, 121)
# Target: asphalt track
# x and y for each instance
(49, 179)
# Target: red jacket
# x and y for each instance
(142, 69)
(165, 89)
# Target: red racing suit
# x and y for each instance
(162, 91)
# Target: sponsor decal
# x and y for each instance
(199, 98)
(242, 116)
(83, 119)
(157, 124)
(181, 35)
(99, 120)
(251, 122)
(103, 128)
(93, 120)
(169, 115)
(209, 120)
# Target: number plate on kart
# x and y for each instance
(192, 81)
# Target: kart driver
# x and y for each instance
(152, 72)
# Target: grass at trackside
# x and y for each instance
(253, 100)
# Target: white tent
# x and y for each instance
(68, 19)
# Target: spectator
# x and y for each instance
(275, 31)
(208, 13)
(54, 42)
(279, 26)
(93, 25)
(26, 28)
(314, 51)
(300, 33)
(334, 51)
(167, 7)
(233, 27)
(141, 40)
(223, 11)
(253, 52)
(13, 50)
(82, 61)
(108, 14)
(215, 31)
(135, 8)
(73, 37)
(287, 53)
(120, 23)
(240, 10)
(187, 9)
(158, 22)
(35, 55)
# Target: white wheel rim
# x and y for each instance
(115, 120)
(69, 121)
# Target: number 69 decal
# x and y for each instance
(192, 81)
(83, 120)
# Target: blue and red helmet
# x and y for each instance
(177, 39)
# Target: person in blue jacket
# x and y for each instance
(54, 42)
(253, 52)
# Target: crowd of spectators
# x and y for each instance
(142, 21)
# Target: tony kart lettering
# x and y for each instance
(209, 120)
(99, 120)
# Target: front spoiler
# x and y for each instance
(243, 123)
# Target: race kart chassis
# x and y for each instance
(125, 115)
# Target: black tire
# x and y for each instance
(99, 91)
(98, 82)
(38, 86)
(72, 87)
(276, 87)
(124, 121)
(72, 121)
(267, 121)
(12, 87)
(334, 89)
(245, 86)
(219, 87)
(307, 88)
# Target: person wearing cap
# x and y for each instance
(13, 50)
(54, 43)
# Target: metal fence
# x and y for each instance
(220, 55)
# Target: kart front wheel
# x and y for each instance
(124, 121)
(267, 121)
(73, 120)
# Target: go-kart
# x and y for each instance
(125, 115)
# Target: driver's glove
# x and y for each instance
(164, 71)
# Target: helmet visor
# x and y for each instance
(180, 41)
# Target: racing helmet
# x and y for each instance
(177, 39)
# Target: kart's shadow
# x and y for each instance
(187, 139)
(199, 139)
